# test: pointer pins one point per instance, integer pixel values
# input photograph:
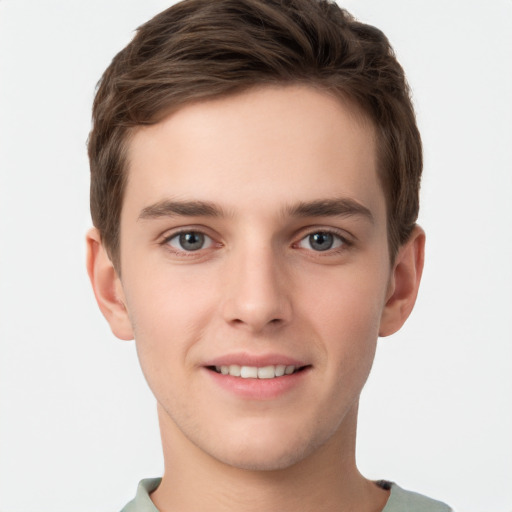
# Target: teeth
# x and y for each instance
(249, 372)
(280, 368)
(289, 370)
(255, 372)
(267, 372)
(235, 370)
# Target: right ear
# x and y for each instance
(107, 287)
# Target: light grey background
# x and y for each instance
(77, 423)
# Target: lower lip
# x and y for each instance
(258, 389)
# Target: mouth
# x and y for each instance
(257, 372)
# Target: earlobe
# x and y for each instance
(107, 287)
(404, 283)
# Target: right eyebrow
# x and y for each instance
(167, 208)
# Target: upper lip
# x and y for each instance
(246, 359)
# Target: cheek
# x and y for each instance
(169, 315)
(348, 299)
(345, 313)
(161, 300)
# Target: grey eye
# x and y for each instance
(190, 241)
(321, 241)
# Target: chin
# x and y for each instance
(263, 461)
(267, 454)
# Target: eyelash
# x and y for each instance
(183, 252)
(343, 242)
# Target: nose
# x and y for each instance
(257, 291)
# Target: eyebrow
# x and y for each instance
(168, 208)
(336, 207)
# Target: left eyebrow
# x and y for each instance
(337, 207)
(168, 208)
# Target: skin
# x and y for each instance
(253, 173)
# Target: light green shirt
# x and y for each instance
(399, 500)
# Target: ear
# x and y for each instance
(404, 283)
(107, 287)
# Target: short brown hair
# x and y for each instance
(199, 49)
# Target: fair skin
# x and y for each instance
(253, 234)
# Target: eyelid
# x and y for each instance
(346, 239)
(170, 234)
(208, 240)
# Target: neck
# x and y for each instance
(327, 479)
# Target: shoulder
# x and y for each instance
(142, 502)
(401, 500)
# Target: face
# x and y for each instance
(255, 271)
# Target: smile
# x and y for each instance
(257, 372)
(258, 379)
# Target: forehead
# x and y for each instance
(264, 147)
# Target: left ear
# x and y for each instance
(404, 283)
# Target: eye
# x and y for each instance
(189, 241)
(322, 241)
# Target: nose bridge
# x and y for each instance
(257, 294)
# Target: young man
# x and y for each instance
(255, 171)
